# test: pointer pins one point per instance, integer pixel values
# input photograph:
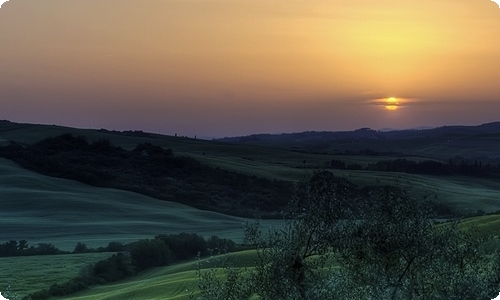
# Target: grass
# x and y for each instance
(486, 225)
(32, 273)
(465, 194)
(172, 282)
(43, 209)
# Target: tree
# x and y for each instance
(220, 245)
(22, 245)
(184, 245)
(385, 246)
(146, 254)
(397, 252)
(80, 248)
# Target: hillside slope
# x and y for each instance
(42, 209)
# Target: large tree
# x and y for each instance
(337, 246)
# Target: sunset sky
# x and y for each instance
(216, 68)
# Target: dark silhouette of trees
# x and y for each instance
(147, 254)
(456, 166)
(21, 248)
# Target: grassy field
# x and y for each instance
(172, 282)
(43, 209)
(465, 194)
(489, 224)
(32, 273)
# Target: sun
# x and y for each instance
(391, 103)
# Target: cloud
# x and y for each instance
(1, 297)
(498, 297)
(497, 2)
(1, 3)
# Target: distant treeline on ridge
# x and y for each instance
(455, 166)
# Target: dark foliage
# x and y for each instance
(21, 248)
(81, 248)
(456, 166)
(117, 267)
(147, 254)
(220, 245)
(153, 171)
(184, 245)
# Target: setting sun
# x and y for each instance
(392, 103)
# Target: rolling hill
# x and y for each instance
(42, 209)
(470, 142)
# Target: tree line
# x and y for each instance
(455, 166)
(22, 248)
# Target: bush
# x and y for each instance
(220, 245)
(184, 245)
(147, 254)
(118, 266)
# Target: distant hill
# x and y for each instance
(368, 133)
(471, 142)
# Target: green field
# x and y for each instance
(172, 282)
(489, 224)
(42, 209)
(32, 273)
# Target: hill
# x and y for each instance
(283, 162)
(42, 209)
(154, 171)
(471, 142)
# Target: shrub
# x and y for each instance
(116, 267)
(184, 245)
(146, 254)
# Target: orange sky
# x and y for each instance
(232, 67)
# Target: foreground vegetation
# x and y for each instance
(388, 250)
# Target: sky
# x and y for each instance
(216, 68)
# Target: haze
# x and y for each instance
(222, 68)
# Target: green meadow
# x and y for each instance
(172, 282)
(42, 209)
(32, 273)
